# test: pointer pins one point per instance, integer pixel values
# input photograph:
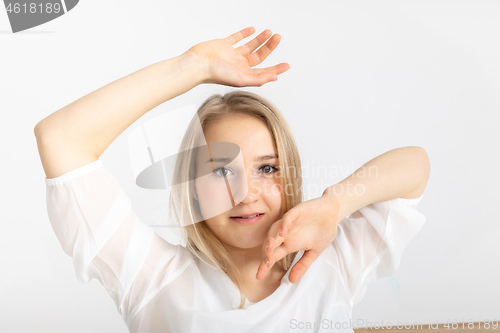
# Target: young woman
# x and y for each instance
(257, 258)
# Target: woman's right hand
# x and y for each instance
(233, 66)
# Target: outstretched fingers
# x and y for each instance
(272, 241)
(264, 51)
(238, 36)
(275, 246)
(254, 43)
(288, 219)
(265, 266)
(271, 73)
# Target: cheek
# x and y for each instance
(271, 187)
(213, 196)
(272, 192)
(216, 226)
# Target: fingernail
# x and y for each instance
(267, 248)
(267, 264)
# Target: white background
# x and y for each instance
(365, 77)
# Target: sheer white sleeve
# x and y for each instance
(371, 241)
(92, 218)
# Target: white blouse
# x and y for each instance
(161, 287)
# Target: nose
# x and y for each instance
(253, 188)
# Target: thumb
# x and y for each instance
(259, 79)
(301, 266)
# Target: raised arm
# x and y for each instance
(312, 225)
(80, 132)
(398, 173)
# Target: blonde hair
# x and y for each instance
(200, 240)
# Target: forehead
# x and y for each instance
(250, 133)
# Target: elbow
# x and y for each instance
(422, 168)
(425, 169)
(39, 129)
(421, 158)
(44, 137)
(424, 162)
(41, 132)
(38, 133)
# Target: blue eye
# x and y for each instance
(224, 171)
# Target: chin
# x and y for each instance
(247, 242)
(242, 239)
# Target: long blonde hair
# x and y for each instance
(200, 240)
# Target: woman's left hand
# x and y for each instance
(311, 226)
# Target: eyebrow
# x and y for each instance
(258, 158)
(266, 157)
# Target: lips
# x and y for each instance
(248, 215)
(247, 219)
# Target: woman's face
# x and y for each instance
(253, 179)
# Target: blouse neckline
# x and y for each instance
(278, 293)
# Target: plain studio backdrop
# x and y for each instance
(365, 77)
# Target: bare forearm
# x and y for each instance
(399, 173)
(94, 121)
